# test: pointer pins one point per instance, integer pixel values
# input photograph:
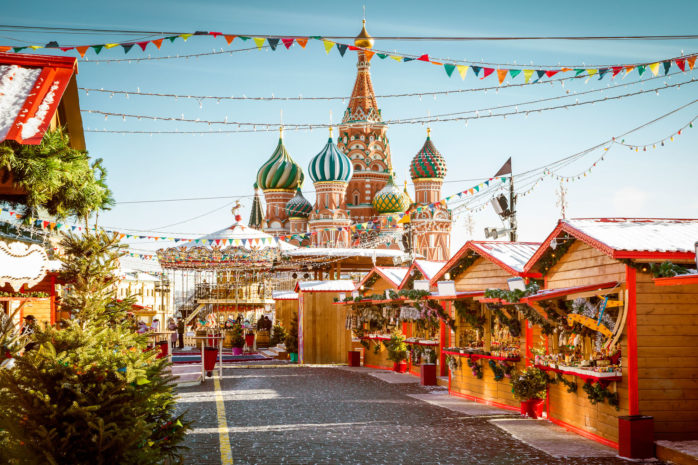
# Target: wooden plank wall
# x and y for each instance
(325, 338)
(379, 287)
(284, 311)
(584, 265)
(481, 275)
(667, 340)
(377, 360)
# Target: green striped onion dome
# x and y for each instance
(428, 163)
(330, 165)
(298, 206)
(280, 171)
(390, 199)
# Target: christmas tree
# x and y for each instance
(90, 392)
(291, 341)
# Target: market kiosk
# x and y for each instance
(490, 335)
(619, 344)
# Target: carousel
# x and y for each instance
(223, 284)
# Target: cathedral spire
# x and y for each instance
(363, 106)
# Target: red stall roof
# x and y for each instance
(31, 87)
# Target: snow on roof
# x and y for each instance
(515, 255)
(31, 87)
(339, 252)
(394, 274)
(284, 295)
(338, 285)
(242, 236)
(139, 276)
(640, 234)
(429, 268)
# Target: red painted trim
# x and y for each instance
(26, 60)
(653, 255)
(377, 271)
(631, 327)
(677, 280)
(482, 401)
(584, 433)
(413, 266)
(529, 342)
(442, 344)
(547, 294)
(53, 300)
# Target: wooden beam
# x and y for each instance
(584, 295)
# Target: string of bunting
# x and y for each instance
(537, 73)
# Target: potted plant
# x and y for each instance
(530, 387)
(291, 341)
(397, 351)
(237, 340)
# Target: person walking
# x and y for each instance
(172, 326)
(180, 332)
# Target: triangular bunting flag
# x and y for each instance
(273, 43)
(143, 44)
(354, 49)
(424, 57)
(552, 72)
(462, 70)
(667, 66)
(691, 62)
(215, 34)
(382, 56)
(5, 48)
(108, 46)
(540, 73)
(514, 72)
(476, 70)
(127, 47)
(654, 67)
(328, 45)
(396, 58)
(171, 38)
(82, 50)
(602, 71)
(369, 55)
(641, 69)
(406, 59)
(259, 41)
(229, 38)
(591, 71)
(18, 49)
(97, 48)
(616, 70)
(342, 48)
(487, 72)
(287, 43)
(157, 42)
(681, 63)
(527, 75)
(185, 36)
(502, 75)
(449, 69)
(244, 38)
(577, 72)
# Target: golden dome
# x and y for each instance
(364, 40)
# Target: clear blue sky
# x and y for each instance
(658, 183)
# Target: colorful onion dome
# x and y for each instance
(390, 199)
(298, 206)
(280, 171)
(330, 165)
(428, 163)
(364, 39)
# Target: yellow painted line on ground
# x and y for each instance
(223, 437)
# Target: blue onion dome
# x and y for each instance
(330, 165)
(390, 199)
(298, 206)
(280, 171)
(428, 163)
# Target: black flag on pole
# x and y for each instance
(505, 169)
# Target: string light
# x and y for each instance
(447, 117)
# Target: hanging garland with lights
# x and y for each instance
(463, 264)
(551, 256)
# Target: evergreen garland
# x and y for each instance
(551, 256)
(475, 367)
(24, 294)
(371, 280)
(512, 324)
(453, 362)
(536, 319)
(469, 315)
(597, 392)
(571, 385)
(463, 264)
(497, 370)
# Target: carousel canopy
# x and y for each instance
(238, 246)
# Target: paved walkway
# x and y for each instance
(291, 415)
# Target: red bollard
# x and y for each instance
(164, 349)
(249, 340)
(354, 358)
(427, 374)
(210, 357)
(636, 436)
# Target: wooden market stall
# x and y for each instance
(490, 336)
(621, 342)
(377, 282)
(323, 336)
(285, 306)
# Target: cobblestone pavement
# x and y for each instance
(290, 415)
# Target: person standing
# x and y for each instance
(180, 332)
(172, 326)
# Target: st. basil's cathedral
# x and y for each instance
(353, 179)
